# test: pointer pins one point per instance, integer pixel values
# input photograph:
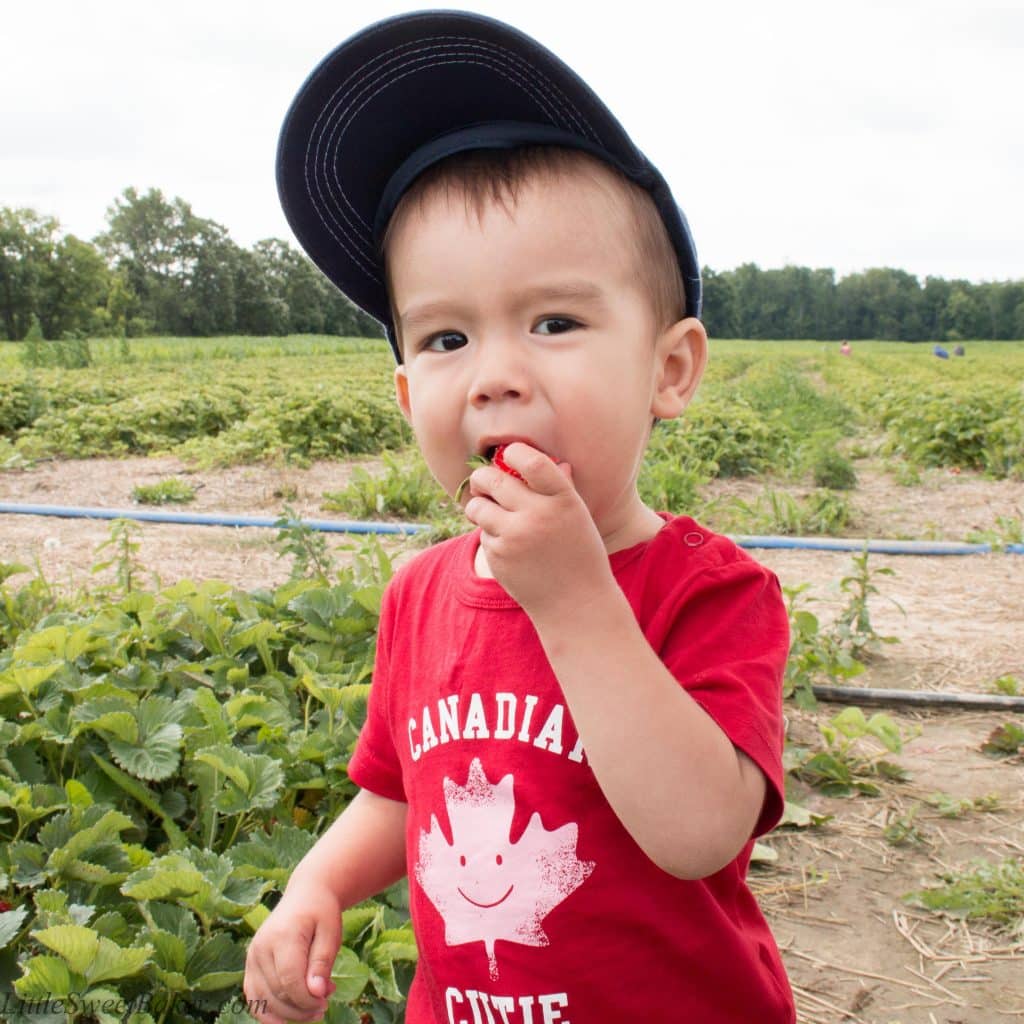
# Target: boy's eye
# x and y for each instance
(567, 323)
(563, 323)
(448, 342)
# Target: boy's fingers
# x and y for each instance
(322, 951)
(289, 996)
(540, 473)
(483, 512)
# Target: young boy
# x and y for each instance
(574, 731)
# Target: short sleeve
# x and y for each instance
(375, 765)
(727, 644)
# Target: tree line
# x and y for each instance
(159, 268)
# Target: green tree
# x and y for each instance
(27, 242)
(181, 266)
(74, 287)
(721, 314)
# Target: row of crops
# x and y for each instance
(757, 411)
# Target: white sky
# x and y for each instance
(822, 133)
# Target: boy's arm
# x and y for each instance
(687, 796)
(361, 854)
(289, 961)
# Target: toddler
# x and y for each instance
(574, 731)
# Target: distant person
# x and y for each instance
(959, 350)
(844, 349)
(940, 352)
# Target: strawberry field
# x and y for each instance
(179, 703)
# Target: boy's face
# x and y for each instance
(496, 360)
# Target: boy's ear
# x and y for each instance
(402, 392)
(681, 353)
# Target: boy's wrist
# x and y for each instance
(310, 882)
(582, 612)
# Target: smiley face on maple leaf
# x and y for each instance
(485, 886)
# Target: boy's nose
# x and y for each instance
(500, 373)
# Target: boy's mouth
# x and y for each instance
(489, 445)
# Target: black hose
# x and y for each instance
(919, 698)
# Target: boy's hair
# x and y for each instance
(482, 176)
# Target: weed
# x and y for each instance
(950, 806)
(1007, 530)
(124, 540)
(813, 652)
(833, 470)
(778, 512)
(311, 558)
(992, 892)
(1005, 741)
(164, 492)
(405, 490)
(838, 651)
(907, 474)
(1008, 685)
(901, 830)
(852, 629)
(286, 492)
(845, 765)
(22, 609)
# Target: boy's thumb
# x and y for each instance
(322, 952)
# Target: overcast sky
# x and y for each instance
(830, 133)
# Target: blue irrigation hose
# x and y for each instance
(881, 547)
(884, 547)
(200, 519)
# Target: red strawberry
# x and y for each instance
(499, 461)
(4, 906)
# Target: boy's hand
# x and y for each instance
(288, 966)
(538, 535)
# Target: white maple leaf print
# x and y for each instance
(485, 886)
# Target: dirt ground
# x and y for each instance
(855, 950)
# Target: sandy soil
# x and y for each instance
(854, 949)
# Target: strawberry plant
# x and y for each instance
(166, 759)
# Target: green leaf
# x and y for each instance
(23, 681)
(850, 722)
(10, 924)
(92, 955)
(349, 974)
(78, 795)
(47, 977)
(213, 714)
(253, 780)
(115, 715)
(226, 760)
(165, 878)
(96, 825)
(354, 700)
(145, 797)
(27, 862)
(218, 963)
(884, 729)
(156, 753)
(356, 920)
(169, 951)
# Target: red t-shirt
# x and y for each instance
(530, 901)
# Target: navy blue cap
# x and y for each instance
(410, 90)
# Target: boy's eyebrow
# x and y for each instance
(568, 290)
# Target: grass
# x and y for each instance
(990, 891)
(164, 492)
